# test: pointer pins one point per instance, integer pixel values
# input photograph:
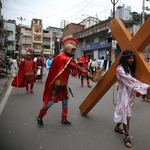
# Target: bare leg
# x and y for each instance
(118, 129)
(126, 129)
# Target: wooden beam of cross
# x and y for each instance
(125, 41)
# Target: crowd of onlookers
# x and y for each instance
(12, 62)
(94, 64)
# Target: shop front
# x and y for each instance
(37, 52)
(46, 52)
(97, 49)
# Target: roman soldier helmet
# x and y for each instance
(29, 51)
(72, 43)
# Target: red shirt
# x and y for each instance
(83, 62)
(28, 66)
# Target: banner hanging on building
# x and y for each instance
(114, 45)
(23, 52)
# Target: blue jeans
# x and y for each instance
(64, 108)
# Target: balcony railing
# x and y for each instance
(46, 35)
(37, 50)
(46, 43)
(37, 41)
(26, 31)
(11, 38)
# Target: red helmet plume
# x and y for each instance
(29, 50)
(70, 40)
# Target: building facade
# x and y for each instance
(97, 40)
(26, 34)
(46, 43)
(37, 35)
(56, 39)
(2, 35)
(10, 28)
(71, 29)
(123, 12)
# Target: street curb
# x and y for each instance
(4, 86)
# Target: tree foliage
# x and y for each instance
(138, 16)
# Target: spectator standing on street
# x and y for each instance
(107, 63)
(102, 63)
(99, 61)
(14, 66)
(94, 66)
(89, 65)
(35, 58)
(44, 61)
(144, 98)
(39, 66)
(128, 87)
(48, 64)
(9, 60)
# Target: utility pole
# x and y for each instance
(21, 19)
(143, 14)
(114, 2)
(144, 8)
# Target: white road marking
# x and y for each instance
(4, 101)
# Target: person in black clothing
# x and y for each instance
(107, 63)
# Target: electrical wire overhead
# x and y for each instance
(66, 10)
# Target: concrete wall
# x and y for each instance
(71, 29)
(78, 52)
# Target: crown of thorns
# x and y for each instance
(127, 55)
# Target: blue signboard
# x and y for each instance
(98, 45)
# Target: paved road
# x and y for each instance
(95, 131)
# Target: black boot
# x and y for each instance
(39, 122)
(66, 122)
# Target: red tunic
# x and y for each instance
(59, 71)
(29, 68)
(83, 62)
(26, 74)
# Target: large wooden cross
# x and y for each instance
(125, 41)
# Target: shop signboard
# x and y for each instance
(23, 52)
(114, 44)
(98, 45)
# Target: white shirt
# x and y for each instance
(107, 67)
(35, 59)
(102, 63)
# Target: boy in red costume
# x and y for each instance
(27, 69)
(56, 84)
(83, 62)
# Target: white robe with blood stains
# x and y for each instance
(128, 86)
